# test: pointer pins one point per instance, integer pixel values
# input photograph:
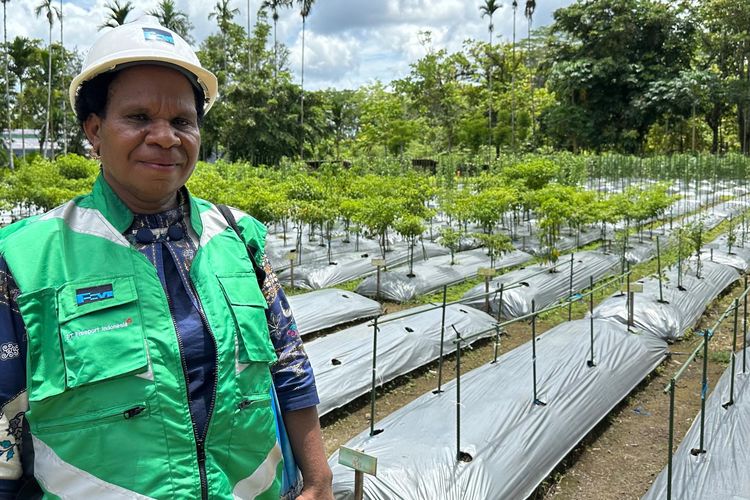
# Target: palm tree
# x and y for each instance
(46, 7)
(169, 17)
(117, 14)
(513, 82)
(488, 9)
(275, 5)
(305, 6)
(21, 51)
(7, 84)
(529, 13)
(223, 15)
(62, 82)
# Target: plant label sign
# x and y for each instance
(358, 460)
(378, 262)
(486, 272)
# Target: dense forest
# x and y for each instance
(630, 76)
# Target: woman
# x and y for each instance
(149, 343)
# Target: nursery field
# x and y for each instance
(509, 331)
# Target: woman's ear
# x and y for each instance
(92, 127)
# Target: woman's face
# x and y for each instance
(148, 139)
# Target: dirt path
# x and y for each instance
(621, 457)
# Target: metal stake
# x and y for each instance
(704, 390)
(458, 395)
(744, 330)
(591, 362)
(537, 401)
(734, 357)
(671, 438)
(570, 290)
(442, 340)
(374, 371)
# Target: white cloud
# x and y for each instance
(349, 42)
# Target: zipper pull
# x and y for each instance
(244, 404)
(201, 449)
(132, 412)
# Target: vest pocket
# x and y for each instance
(248, 307)
(254, 351)
(101, 331)
(92, 419)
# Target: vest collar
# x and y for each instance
(121, 217)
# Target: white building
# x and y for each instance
(26, 140)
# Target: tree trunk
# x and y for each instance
(48, 132)
(7, 89)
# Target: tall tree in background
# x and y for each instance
(176, 20)
(607, 55)
(223, 14)
(118, 14)
(726, 40)
(7, 84)
(529, 14)
(305, 6)
(513, 82)
(22, 52)
(488, 9)
(49, 10)
(63, 101)
(275, 5)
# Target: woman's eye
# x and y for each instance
(139, 117)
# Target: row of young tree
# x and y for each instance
(625, 75)
(490, 207)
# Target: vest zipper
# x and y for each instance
(199, 444)
(106, 415)
(200, 441)
(210, 412)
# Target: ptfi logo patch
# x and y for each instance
(94, 294)
(158, 35)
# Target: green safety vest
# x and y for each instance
(108, 398)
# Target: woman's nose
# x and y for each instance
(161, 133)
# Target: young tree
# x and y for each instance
(410, 227)
(451, 239)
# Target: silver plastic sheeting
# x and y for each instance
(671, 319)
(348, 267)
(722, 472)
(718, 251)
(321, 309)
(567, 241)
(312, 251)
(342, 361)
(541, 286)
(433, 274)
(514, 444)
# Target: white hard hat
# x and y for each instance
(144, 40)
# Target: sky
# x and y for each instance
(348, 43)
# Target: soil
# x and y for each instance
(622, 456)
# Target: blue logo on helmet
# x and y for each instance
(158, 35)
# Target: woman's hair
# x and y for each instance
(93, 94)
